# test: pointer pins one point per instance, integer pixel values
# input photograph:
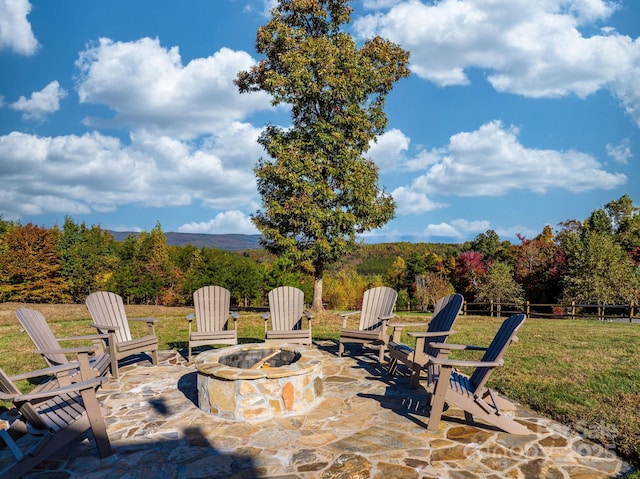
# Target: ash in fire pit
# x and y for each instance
(260, 358)
(259, 381)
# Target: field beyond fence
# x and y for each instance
(583, 373)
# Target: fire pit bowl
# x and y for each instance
(259, 381)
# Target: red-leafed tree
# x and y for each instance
(469, 269)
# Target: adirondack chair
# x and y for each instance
(377, 310)
(212, 318)
(58, 414)
(48, 346)
(109, 317)
(470, 393)
(446, 312)
(286, 311)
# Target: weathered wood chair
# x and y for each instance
(212, 314)
(109, 317)
(286, 311)
(470, 393)
(48, 346)
(377, 310)
(58, 413)
(446, 311)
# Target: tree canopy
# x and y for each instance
(318, 190)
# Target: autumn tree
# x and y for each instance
(318, 190)
(30, 266)
(469, 269)
(430, 287)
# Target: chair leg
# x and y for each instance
(340, 349)
(439, 395)
(154, 357)
(415, 376)
(96, 421)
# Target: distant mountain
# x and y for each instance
(228, 242)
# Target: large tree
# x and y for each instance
(318, 190)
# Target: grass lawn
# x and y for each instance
(584, 374)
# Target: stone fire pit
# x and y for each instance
(259, 381)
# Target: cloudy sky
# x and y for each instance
(123, 113)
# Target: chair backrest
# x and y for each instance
(503, 338)
(376, 303)
(286, 305)
(447, 310)
(38, 329)
(211, 304)
(107, 309)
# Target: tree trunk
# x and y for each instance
(317, 295)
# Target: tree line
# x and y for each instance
(595, 261)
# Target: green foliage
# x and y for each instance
(499, 286)
(318, 191)
(598, 270)
(87, 256)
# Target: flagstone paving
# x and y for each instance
(368, 426)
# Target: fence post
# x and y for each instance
(491, 308)
(573, 310)
(631, 311)
(528, 309)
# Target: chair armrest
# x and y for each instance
(408, 324)
(234, 315)
(74, 387)
(386, 318)
(308, 315)
(145, 320)
(190, 317)
(79, 349)
(457, 347)
(430, 334)
(51, 371)
(344, 314)
(86, 336)
(266, 316)
(108, 327)
(460, 363)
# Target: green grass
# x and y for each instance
(584, 374)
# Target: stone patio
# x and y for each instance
(367, 426)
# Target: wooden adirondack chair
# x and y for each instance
(286, 311)
(470, 393)
(109, 316)
(212, 313)
(57, 413)
(377, 310)
(439, 328)
(48, 346)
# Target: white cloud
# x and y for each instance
(15, 29)
(410, 201)
(534, 49)
(41, 103)
(387, 152)
(93, 172)
(491, 162)
(226, 222)
(459, 228)
(620, 153)
(148, 88)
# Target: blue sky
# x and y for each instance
(123, 113)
